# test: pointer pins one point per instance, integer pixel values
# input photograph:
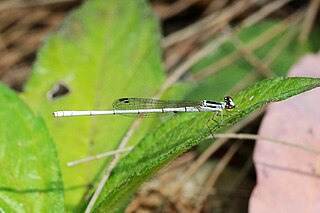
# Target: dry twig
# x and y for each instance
(311, 14)
(215, 175)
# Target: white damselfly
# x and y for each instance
(152, 107)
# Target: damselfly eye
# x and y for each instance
(229, 102)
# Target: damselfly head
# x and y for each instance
(229, 102)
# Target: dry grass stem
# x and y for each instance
(99, 156)
(215, 6)
(196, 28)
(177, 73)
(175, 8)
(16, 4)
(311, 15)
(270, 57)
(206, 189)
(263, 12)
(251, 58)
(267, 139)
(280, 46)
(215, 19)
(113, 163)
(261, 40)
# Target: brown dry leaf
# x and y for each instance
(288, 179)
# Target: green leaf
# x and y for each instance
(186, 130)
(30, 178)
(104, 50)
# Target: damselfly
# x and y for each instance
(153, 107)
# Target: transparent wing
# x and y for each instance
(145, 103)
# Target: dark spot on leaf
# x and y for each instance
(59, 90)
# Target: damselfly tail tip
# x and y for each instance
(56, 114)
